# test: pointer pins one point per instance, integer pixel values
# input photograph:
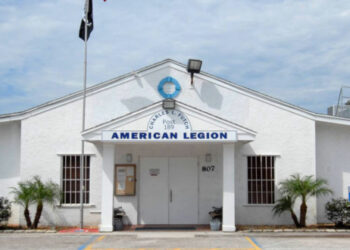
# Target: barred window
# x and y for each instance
(71, 179)
(261, 179)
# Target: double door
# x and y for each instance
(168, 190)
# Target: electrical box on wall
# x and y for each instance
(125, 177)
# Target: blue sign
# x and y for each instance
(169, 79)
(140, 135)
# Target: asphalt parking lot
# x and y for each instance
(175, 240)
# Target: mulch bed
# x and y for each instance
(275, 227)
(78, 230)
(16, 227)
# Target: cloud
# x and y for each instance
(293, 50)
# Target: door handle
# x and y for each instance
(171, 195)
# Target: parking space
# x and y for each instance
(175, 241)
(149, 243)
(38, 241)
(304, 242)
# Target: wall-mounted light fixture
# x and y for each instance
(208, 157)
(194, 66)
(129, 158)
(168, 104)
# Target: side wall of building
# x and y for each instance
(10, 141)
(333, 162)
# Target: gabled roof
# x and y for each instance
(217, 80)
(126, 121)
(77, 95)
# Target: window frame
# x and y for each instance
(249, 201)
(76, 180)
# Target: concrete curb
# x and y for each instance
(286, 230)
(27, 231)
(289, 230)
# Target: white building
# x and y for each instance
(222, 145)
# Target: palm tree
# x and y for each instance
(303, 188)
(48, 192)
(284, 204)
(23, 195)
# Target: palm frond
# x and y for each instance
(304, 187)
(283, 204)
(48, 192)
(23, 193)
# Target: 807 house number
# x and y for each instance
(208, 168)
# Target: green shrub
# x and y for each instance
(338, 211)
(5, 209)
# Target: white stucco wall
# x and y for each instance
(333, 162)
(44, 138)
(291, 139)
(280, 132)
(10, 134)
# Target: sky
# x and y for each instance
(294, 50)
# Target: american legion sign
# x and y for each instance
(169, 125)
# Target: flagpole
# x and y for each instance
(82, 160)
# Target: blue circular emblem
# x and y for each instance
(176, 84)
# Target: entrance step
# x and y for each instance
(162, 234)
(165, 228)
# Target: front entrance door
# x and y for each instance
(168, 190)
(183, 202)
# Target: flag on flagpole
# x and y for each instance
(90, 21)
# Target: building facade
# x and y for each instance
(222, 145)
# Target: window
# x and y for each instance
(261, 179)
(71, 179)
